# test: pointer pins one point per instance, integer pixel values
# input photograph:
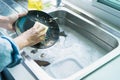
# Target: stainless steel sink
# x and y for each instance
(83, 48)
(84, 41)
(82, 27)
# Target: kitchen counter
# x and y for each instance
(109, 71)
(20, 72)
(29, 70)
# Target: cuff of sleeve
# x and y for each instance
(16, 57)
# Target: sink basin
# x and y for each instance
(81, 44)
(84, 46)
(84, 32)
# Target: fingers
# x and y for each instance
(39, 28)
(41, 38)
(22, 13)
(40, 32)
(34, 35)
(13, 18)
(10, 27)
(38, 25)
(3, 18)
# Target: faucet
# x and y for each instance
(58, 2)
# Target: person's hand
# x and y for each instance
(32, 36)
(23, 13)
(7, 21)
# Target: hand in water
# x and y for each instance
(32, 36)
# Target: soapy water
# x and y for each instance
(74, 44)
(73, 49)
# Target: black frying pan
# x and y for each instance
(26, 22)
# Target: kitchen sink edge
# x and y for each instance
(41, 74)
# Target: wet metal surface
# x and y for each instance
(81, 39)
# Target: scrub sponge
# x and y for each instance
(46, 28)
(44, 32)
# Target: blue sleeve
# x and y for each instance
(9, 53)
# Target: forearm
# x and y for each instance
(21, 41)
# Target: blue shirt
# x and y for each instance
(5, 53)
(9, 53)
